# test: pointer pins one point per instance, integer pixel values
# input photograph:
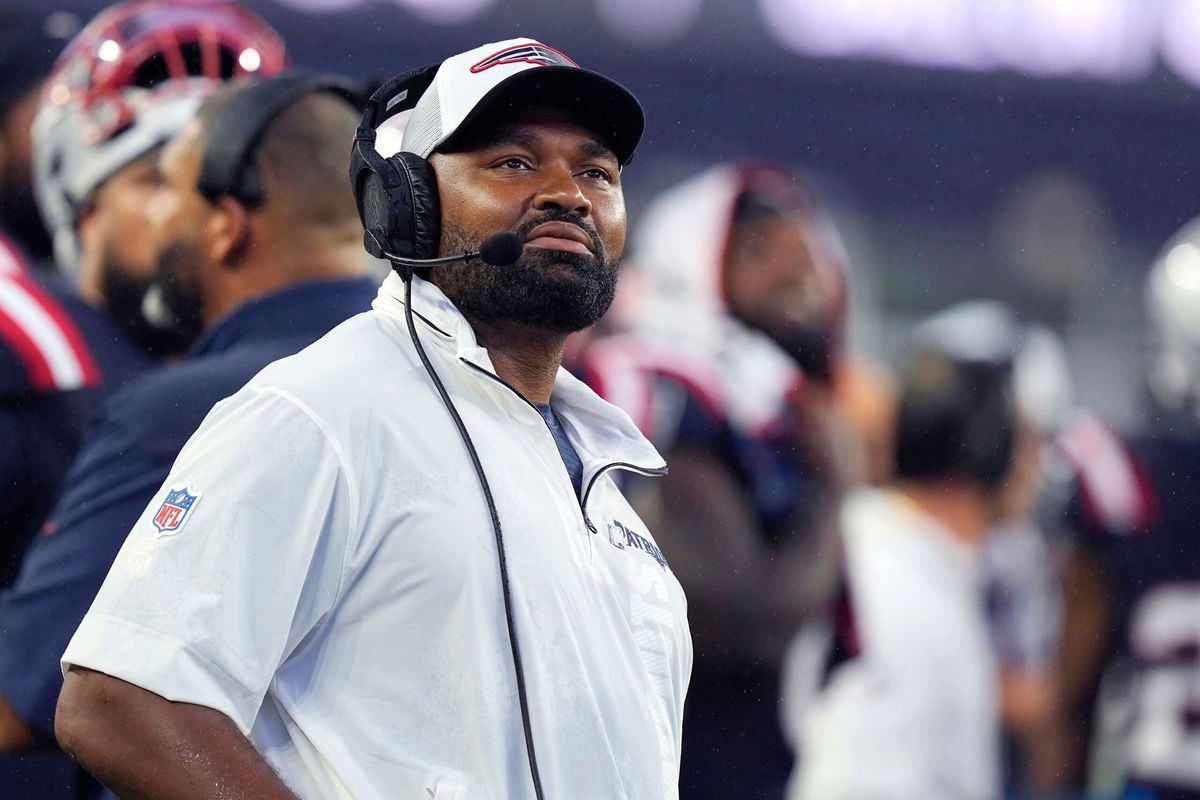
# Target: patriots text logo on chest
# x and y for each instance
(174, 511)
(621, 537)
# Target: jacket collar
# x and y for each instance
(599, 430)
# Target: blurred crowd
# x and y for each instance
(944, 577)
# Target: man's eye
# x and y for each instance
(514, 163)
(597, 173)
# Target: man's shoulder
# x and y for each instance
(119, 358)
(176, 394)
(361, 368)
(363, 348)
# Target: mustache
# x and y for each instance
(562, 215)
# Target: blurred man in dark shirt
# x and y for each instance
(288, 271)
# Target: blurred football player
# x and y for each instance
(894, 695)
(47, 373)
(1135, 510)
(1020, 560)
(124, 86)
(726, 359)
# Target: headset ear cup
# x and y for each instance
(378, 215)
(418, 193)
(398, 204)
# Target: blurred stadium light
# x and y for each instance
(649, 24)
(446, 12)
(1116, 40)
(1100, 38)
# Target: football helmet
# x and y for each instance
(126, 84)
(1173, 317)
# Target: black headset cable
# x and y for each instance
(491, 504)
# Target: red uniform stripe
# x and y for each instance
(70, 331)
(40, 375)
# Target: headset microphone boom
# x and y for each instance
(498, 250)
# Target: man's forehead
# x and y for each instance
(528, 125)
(149, 159)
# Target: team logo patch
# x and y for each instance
(175, 510)
(525, 54)
(616, 535)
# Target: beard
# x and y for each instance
(124, 298)
(551, 290)
(174, 304)
(808, 345)
(803, 333)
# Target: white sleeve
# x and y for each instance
(206, 609)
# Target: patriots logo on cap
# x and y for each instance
(538, 54)
(175, 510)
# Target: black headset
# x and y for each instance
(228, 167)
(957, 419)
(397, 196)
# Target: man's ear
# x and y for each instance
(228, 232)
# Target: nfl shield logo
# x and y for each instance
(175, 510)
(616, 535)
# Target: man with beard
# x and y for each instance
(127, 83)
(728, 362)
(265, 276)
(85, 137)
(105, 109)
(82, 141)
(410, 581)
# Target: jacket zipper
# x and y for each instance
(610, 466)
(591, 483)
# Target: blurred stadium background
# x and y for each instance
(1037, 152)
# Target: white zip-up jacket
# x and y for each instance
(320, 566)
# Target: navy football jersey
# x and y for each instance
(1137, 510)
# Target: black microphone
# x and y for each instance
(498, 250)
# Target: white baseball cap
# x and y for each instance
(520, 72)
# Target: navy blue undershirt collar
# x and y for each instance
(566, 450)
(319, 304)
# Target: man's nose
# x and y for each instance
(159, 207)
(560, 190)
